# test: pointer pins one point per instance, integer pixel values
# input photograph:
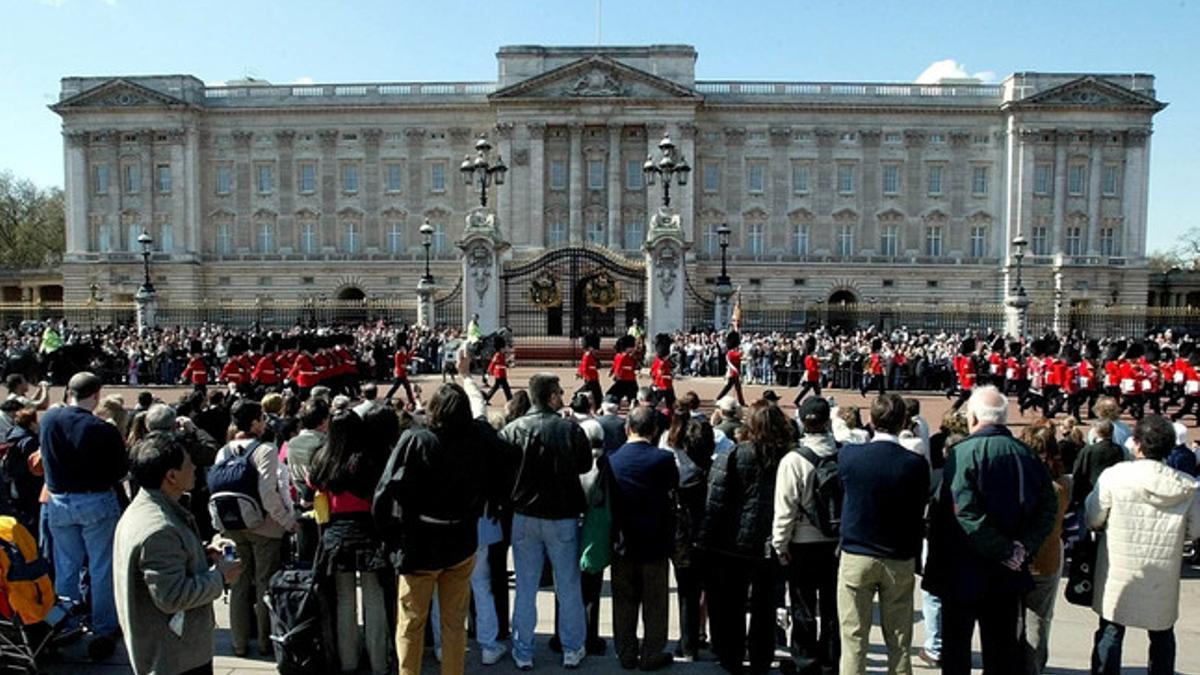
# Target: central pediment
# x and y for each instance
(595, 77)
(1090, 92)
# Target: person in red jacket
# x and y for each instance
(873, 367)
(232, 373)
(1055, 372)
(660, 371)
(624, 370)
(498, 369)
(1130, 377)
(966, 371)
(811, 380)
(196, 371)
(1191, 389)
(400, 363)
(1112, 370)
(1035, 367)
(589, 369)
(303, 376)
(995, 362)
(1015, 375)
(733, 367)
(265, 375)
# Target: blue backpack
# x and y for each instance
(235, 504)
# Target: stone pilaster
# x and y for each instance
(1095, 217)
(536, 132)
(1060, 192)
(482, 245)
(327, 175)
(77, 191)
(286, 224)
(575, 184)
(372, 234)
(615, 172)
(1137, 183)
(665, 276)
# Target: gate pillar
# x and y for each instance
(482, 246)
(665, 246)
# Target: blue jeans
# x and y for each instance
(1106, 654)
(82, 525)
(931, 611)
(532, 540)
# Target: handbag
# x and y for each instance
(595, 537)
(1081, 570)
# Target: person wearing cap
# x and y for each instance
(809, 556)
(84, 458)
(729, 417)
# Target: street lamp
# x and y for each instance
(479, 172)
(427, 241)
(1019, 243)
(146, 241)
(670, 165)
(723, 239)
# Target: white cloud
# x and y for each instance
(303, 80)
(949, 68)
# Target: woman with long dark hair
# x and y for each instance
(736, 535)
(429, 501)
(347, 468)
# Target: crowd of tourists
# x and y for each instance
(782, 525)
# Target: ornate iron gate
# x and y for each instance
(573, 291)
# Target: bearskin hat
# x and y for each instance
(1071, 354)
(1114, 351)
(733, 339)
(1152, 350)
(1135, 350)
(967, 346)
(998, 345)
(810, 344)
(662, 345)
(1037, 348)
(591, 341)
(499, 343)
(624, 342)
(1014, 348)
(1186, 349)
(194, 347)
(1091, 350)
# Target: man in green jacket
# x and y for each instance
(995, 507)
(163, 579)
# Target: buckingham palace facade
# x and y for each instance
(834, 192)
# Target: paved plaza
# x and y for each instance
(1070, 642)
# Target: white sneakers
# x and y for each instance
(573, 659)
(491, 657)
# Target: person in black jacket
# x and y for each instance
(736, 535)
(427, 506)
(547, 501)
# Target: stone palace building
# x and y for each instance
(834, 192)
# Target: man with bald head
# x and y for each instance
(995, 507)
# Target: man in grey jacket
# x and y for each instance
(162, 576)
(808, 554)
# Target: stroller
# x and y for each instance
(32, 619)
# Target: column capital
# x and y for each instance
(536, 130)
(504, 130)
(1137, 137)
(459, 134)
(870, 137)
(414, 133)
(76, 139)
(687, 131)
(914, 138)
(576, 128)
(735, 135)
(371, 134)
(825, 137)
(328, 136)
(242, 137)
(959, 139)
(285, 137)
(781, 136)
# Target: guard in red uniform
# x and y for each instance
(1130, 377)
(872, 376)
(965, 371)
(400, 369)
(995, 362)
(1015, 374)
(1191, 387)
(1035, 367)
(1151, 377)
(302, 376)
(733, 367)
(498, 369)
(232, 373)
(624, 370)
(265, 375)
(660, 371)
(589, 369)
(1055, 372)
(1112, 370)
(196, 371)
(811, 380)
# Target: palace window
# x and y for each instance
(634, 180)
(104, 237)
(308, 177)
(266, 179)
(756, 177)
(1110, 180)
(799, 178)
(1039, 242)
(1042, 175)
(978, 241)
(754, 237)
(1076, 175)
(595, 233)
(392, 177)
(1109, 241)
(163, 176)
(933, 240)
(395, 237)
(350, 177)
(845, 240)
(133, 230)
(845, 177)
(1074, 244)
(595, 174)
(166, 235)
(439, 238)
(437, 177)
(712, 177)
(100, 179)
(889, 239)
(635, 235)
(266, 238)
(891, 179)
(132, 178)
(712, 240)
(308, 237)
(558, 174)
(935, 179)
(225, 238)
(224, 179)
(350, 242)
(979, 181)
(800, 239)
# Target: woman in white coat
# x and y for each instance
(1147, 511)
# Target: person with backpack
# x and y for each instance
(883, 521)
(247, 507)
(804, 534)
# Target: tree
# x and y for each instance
(32, 223)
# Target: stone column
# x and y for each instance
(1095, 171)
(537, 183)
(482, 246)
(575, 187)
(414, 138)
(327, 187)
(77, 191)
(426, 307)
(243, 186)
(870, 191)
(683, 197)
(284, 146)
(1136, 181)
(371, 178)
(191, 191)
(615, 171)
(503, 205)
(665, 275)
(1060, 192)
(1056, 324)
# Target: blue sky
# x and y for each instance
(342, 41)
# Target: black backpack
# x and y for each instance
(299, 632)
(827, 493)
(235, 503)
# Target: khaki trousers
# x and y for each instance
(860, 578)
(453, 586)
